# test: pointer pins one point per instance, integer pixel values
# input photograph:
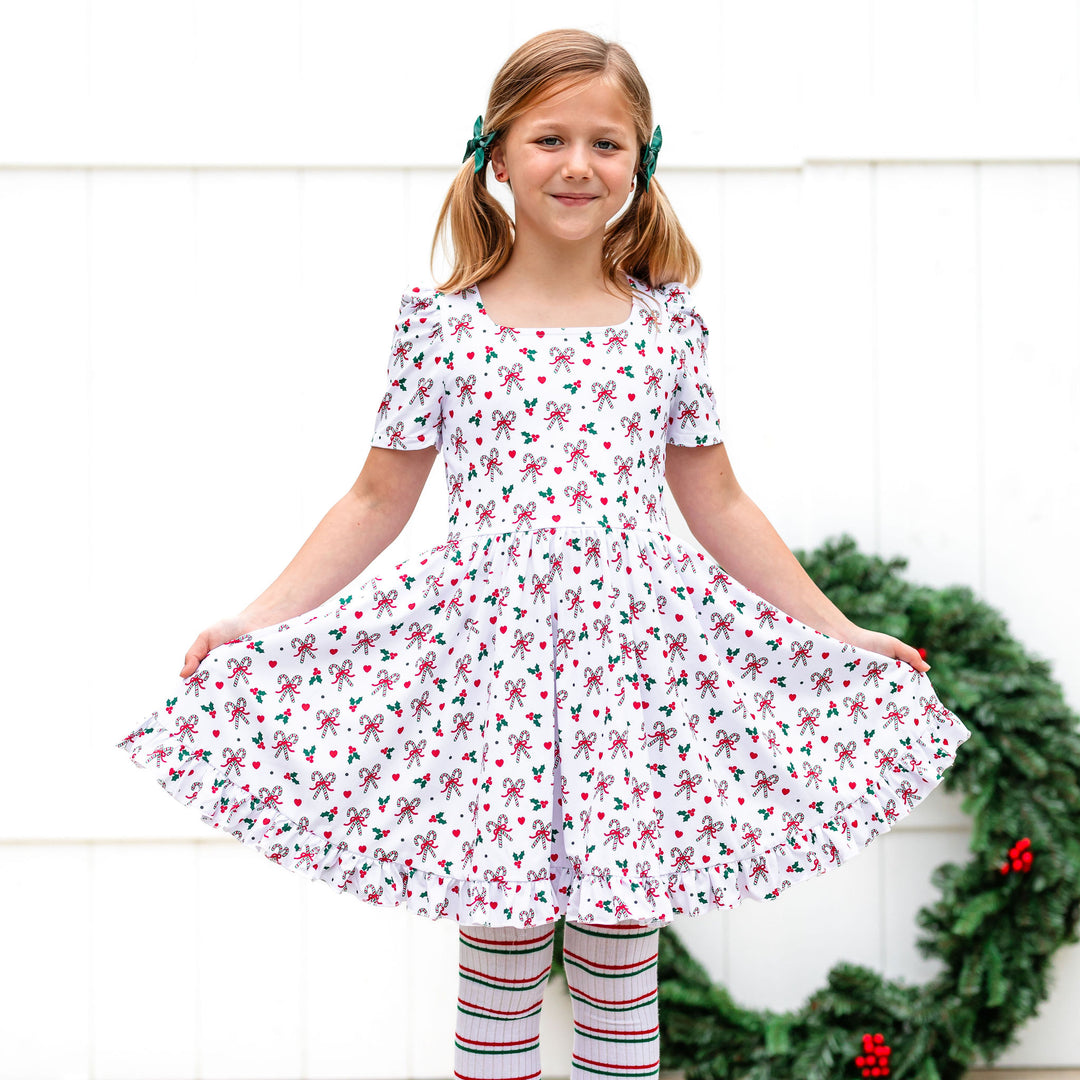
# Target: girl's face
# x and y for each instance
(570, 162)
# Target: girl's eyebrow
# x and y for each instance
(606, 129)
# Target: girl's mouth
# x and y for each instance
(574, 200)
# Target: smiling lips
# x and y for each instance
(574, 200)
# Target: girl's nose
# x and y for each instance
(578, 162)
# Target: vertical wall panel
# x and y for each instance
(838, 460)
(45, 1017)
(927, 370)
(1029, 329)
(45, 64)
(146, 964)
(45, 487)
(249, 956)
(762, 412)
(357, 998)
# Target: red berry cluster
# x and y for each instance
(1020, 857)
(875, 1060)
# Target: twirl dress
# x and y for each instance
(559, 709)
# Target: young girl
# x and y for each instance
(559, 710)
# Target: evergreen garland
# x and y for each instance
(1000, 918)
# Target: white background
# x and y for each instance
(208, 211)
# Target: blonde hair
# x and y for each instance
(645, 242)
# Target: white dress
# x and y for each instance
(559, 709)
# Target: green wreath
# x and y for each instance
(1000, 918)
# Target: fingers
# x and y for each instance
(194, 656)
(911, 656)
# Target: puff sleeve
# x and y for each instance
(692, 419)
(410, 413)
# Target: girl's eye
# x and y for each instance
(554, 140)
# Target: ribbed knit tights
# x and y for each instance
(611, 973)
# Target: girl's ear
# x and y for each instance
(498, 161)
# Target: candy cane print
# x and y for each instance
(365, 640)
(499, 829)
(270, 798)
(451, 783)
(754, 666)
(874, 672)
(197, 683)
(341, 674)
(821, 680)
(886, 761)
(764, 783)
(605, 394)
(406, 809)
(708, 681)
(513, 789)
(238, 711)
(239, 668)
(758, 870)
(687, 784)
(856, 707)
(327, 722)
(187, 727)
(615, 340)
(808, 720)
(427, 844)
(322, 784)
(284, 744)
(356, 819)
(894, 715)
(511, 377)
(846, 752)
(233, 759)
(289, 684)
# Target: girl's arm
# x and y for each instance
(355, 529)
(731, 528)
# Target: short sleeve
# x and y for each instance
(410, 413)
(692, 419)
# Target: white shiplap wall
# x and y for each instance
(207, 212)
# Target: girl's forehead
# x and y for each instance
(595, 100)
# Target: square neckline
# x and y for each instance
(627, 322)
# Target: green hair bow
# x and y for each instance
(648, 155)
(478, 145)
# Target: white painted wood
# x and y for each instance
(146, 967)
(762, 413)
(837, 376)
(248, 955)
(45, 1016)
(1029, 335)
(45, 61)
(45, 487)
(357, 990)
(925, 310)
(430, 963)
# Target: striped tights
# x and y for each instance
(611, 973)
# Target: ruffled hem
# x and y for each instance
(598, 897)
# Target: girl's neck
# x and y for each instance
(553, 285)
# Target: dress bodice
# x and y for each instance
(549, 427)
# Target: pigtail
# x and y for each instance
(481, 232)
(648, 242)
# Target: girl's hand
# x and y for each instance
(223, 630)
(872, 641)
